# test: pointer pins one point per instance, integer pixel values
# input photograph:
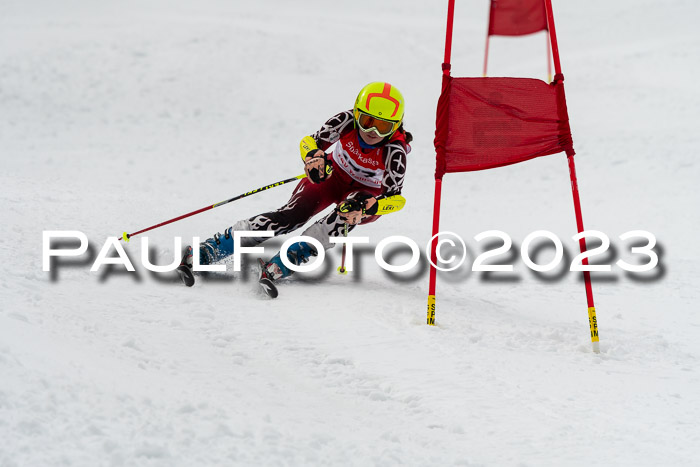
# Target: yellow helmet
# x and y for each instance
(379, 107)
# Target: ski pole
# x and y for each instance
(341, 268)
(126, 236)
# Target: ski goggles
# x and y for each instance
(368, 123)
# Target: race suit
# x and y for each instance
(357, 169)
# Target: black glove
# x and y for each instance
(354, 209)
(350, 205)
(318, 166)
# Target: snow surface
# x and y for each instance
(118, 115)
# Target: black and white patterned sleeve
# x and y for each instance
(395, 171)
(331, 130)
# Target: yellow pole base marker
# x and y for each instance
(125, 237)
(593, 323)
(431, 310)
(342, 270)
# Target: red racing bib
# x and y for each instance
(366, 167)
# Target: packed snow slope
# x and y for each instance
(117, 115)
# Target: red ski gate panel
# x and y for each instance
(516, 17)
(484, 123)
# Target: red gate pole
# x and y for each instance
(552, 35)
(448, 37)
(433, 253)
(438, 175)
(592, 321)
(549, 59)
(488, 38)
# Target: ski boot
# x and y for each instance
(297, 254)
(210, 251)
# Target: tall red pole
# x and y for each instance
(448, 35)
(433, 253)
(552, 36)
(488, 38)
(592, 320)
(438, 176)
(549, 59)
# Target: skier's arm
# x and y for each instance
(391, 200)
(307, 145)
(353, 210)
(356, 208)
(328, 134)
(383, 204)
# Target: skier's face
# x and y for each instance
(370, 138)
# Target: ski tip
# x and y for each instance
(186, 275)
(268, 287)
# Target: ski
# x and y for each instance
(266, 284)
(186, 275)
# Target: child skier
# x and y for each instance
(363, 173)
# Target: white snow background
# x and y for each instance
(117, 115)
